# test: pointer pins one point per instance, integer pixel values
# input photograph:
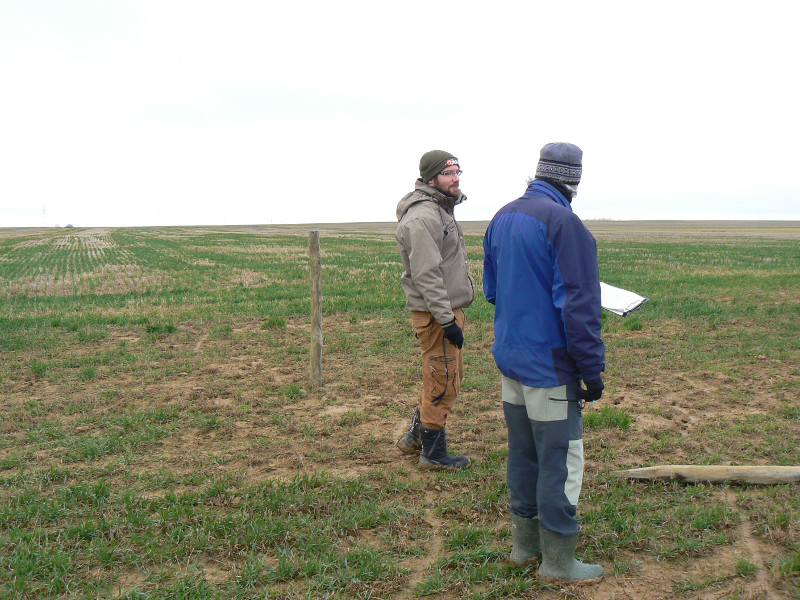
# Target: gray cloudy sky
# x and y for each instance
(160, 112)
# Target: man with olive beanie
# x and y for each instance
(438, 286)
(540, 271)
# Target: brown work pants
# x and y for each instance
(442, 368)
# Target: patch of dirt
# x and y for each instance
(258, 429)
(257, 417)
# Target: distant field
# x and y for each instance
(781, 228)
(160, 438)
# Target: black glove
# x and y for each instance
(593, 391)
(454, 334)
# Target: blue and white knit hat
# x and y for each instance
(561, 162)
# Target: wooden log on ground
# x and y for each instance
(715, 474)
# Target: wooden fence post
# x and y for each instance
(315, 268)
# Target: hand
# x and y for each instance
(454, 334)
(593, 391)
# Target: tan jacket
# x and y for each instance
(431, 243)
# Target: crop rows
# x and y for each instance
(160, 438)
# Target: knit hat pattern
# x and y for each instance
(561, 162)
(432, 163)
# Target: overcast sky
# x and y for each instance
(160, 112)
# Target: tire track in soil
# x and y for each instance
(417, 567)
(749, 547)
(200, 342)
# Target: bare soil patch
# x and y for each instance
(264, 421)
(349, 428)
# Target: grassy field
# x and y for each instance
(160, 438)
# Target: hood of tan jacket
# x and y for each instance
(431, 243)
(427, 193)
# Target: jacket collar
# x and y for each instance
(443, 200)
(538, 187)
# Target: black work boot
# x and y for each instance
(411, 442)
(434, 450)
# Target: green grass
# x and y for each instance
(160, 438)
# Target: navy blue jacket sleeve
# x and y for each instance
(576, 292)
(489, 276)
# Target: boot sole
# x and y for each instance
(427, 464)
(533, 561)
(571, 581)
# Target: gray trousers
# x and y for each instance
(545, 453)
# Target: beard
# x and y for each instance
(453, 191)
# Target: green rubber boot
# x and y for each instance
(525, 546)
(559, 562)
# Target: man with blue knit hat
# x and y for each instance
(542, 275)
(438, 287)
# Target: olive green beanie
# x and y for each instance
(432, 163)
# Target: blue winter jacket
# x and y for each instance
(540, 271)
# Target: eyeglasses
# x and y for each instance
(451, 173)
